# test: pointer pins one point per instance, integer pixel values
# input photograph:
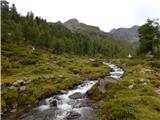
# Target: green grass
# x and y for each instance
(141, 102)
(50, 73)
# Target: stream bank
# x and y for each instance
(72, 104)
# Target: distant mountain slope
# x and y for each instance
(130, 34)
(75, 25)
(93, 31)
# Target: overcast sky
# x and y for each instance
(106, 14)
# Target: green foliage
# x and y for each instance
(49, 72)
(56, 36)
(155, 64)
(134, 97)
(28, 61)
(120, 109)
(149, 34)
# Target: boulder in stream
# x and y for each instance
(77, 95)
(73, 115)
(53, 102)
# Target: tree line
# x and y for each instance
(54, 36)
(149, 35)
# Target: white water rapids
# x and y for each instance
(66, 105)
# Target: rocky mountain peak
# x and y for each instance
(130, 34)
(72, 21)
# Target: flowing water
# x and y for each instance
(64, 107)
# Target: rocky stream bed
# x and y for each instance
(72, 104)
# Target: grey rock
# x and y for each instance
(64, 91)
(77, 95)
(22, 88)
(130, 86)
(76, 26)
(130, 34)
(13, 87)
(53, 102)
(85, 103)
(73, 115)
(18, 83)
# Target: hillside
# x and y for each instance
(41, 73)
(75, 71)
(93, 31)
(57, 37)
(129, 34)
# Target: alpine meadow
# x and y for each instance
(74, 71)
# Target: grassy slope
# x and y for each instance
(141, 102)
(51, 73)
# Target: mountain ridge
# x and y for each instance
(130, 34)
(122, 33)
(92, 31)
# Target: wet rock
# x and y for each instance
(13, 88)
(22, 88)
(42, 102)
(18, 83)
(77, 95)
(85, 103)
(73, 116)
(53, 102)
